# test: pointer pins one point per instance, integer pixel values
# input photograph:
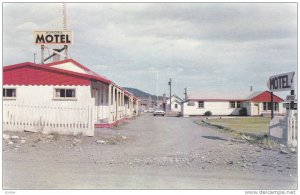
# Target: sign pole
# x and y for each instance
(292, 102)
(42, 54)
(272, 106)
(170, 83)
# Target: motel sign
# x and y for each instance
(281, 82)
(53, 37)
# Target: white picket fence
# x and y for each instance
(51, 117)
(284, 128)
(292, 132)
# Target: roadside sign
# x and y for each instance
(282, 82)
(290, 98)
(53, 37)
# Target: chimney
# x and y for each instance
(251, 88)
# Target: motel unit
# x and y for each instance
(68, 83)
(176, 103)
(256, 104)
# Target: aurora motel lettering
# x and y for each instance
(53, 37)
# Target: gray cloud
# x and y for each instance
(202, 46)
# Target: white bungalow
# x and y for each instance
(176, 103)
(65, 84)
(256, 103)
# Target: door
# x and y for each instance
(256, 109)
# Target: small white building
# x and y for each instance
(256, 104)
(176, 103)
(65, 85)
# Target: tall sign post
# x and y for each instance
(170, 84)
(281, 82)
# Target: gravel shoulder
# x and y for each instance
(145, 153)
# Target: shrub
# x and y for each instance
(208, 113)
(243, 112)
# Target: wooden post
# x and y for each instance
(272, 106)
(292, 102)
(42, 54)
(66, 51)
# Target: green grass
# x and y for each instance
(251, 125)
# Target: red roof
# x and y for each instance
(265, 97)
(28, 73)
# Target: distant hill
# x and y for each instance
(142, 94)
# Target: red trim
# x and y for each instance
(107, 125)
(217, 100)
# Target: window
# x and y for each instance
(94, 92)
(238, 104)
(176, 105)
(9, 93)
(201, 104)
(65, 93)
(276, 106)
(268, 106)
(191, 103)
(235, 104)
(232, 104)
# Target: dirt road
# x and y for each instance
(145, 153)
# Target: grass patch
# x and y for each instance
(244, 129)
(248, 125)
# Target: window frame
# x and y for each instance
(230, 104)
(175, 106)
(64, 98)
(201, 103)
(5, 97)
(190, 103)
(267, 106)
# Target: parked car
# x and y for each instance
(159, 112)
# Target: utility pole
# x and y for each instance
(157, 89)
(170, 83)
(185, 93)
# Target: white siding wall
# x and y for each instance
(70, 66)
(178, 109)
(44, 94)
(217, 108)
(101, 101)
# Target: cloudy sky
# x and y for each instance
(201, 46)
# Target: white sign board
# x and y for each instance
(282, 82)
(53, 37)
(290, 98)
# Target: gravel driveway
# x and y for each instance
(145, 153)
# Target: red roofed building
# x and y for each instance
(67, 83)
(256, 104)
